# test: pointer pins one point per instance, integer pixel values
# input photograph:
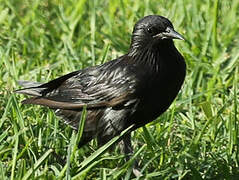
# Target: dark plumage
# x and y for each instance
(132, 89)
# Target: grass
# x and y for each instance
(197, 138)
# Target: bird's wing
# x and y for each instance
(99, 86)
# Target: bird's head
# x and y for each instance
(153, 31)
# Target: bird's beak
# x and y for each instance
(170, 33)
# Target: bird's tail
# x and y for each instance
(30, 88)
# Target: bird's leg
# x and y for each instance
(126, 148)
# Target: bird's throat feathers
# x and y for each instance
(151, 53)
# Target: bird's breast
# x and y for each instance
(160, 89)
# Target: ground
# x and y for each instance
(197, 138)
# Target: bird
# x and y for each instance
(131, 90)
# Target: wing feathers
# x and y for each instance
(93, 87)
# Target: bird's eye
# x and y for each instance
(151, 30)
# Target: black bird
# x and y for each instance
(133, 89)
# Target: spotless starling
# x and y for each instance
(131, 90)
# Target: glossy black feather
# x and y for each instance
(132, 89)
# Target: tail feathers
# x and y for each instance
(29, 84)
(39, 100)
(31, 88)
(30, 91)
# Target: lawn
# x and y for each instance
(197, 138)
